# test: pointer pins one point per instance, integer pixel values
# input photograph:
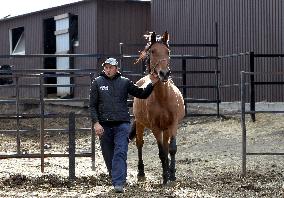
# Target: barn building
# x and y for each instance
(97, 27)
(84, 27)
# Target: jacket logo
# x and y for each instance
(103, 88)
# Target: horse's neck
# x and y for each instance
(162, 91)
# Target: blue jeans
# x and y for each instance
(114, 146)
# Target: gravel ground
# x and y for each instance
(208, 161)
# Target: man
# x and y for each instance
(111, 119)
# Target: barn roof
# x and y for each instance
(56, 7)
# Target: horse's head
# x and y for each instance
(157, 55)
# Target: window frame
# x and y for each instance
(20, 42)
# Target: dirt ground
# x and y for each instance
(208, 161)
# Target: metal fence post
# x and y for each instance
(93, 140)
(93, 145)
(121, 57)
(18, 119)
(184, 91)
(41, 92)
(252, 87)
(71, 146)
(243, 123)
(216, 71)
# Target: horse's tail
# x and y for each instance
(132, 133)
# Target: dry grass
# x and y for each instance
(208, 162)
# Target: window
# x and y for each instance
(17, 41)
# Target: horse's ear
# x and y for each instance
(165, 38)
(153, 37)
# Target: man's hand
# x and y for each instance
(99, 130)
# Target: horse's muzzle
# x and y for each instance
(164, 75)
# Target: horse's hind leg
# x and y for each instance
(172, 151)
(132, 133)
(139, 145)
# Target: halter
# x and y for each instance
(153, 68)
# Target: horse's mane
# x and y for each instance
(152, 38)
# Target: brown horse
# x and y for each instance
(162, 111)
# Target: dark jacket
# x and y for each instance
(108, 97)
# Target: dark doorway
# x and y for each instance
(49, 48)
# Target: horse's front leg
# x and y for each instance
(139, 145)
(172, 151)
(163, 146)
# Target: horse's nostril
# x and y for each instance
(164, 74)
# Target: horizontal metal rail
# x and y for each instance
(234, 55)
(265, 153)
(56, 55)
(46, 155)
(177, 56)
(45, 130)
(37, 115)
(32, 72)
(37, 101)
(192, 100)
(253, 112)
(201, 114)
(269, 83)
(268, 55)
(174, 45)
(46, 85)
(195, 72)
(197, 86)
(262, 73)
(194, 45)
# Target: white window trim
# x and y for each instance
(20, 41)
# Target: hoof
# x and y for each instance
(172, 178)
(165, 182)
(170, 184)
(141, 178)
(141, 174)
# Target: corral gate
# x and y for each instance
(42, 115)
(252, 110)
